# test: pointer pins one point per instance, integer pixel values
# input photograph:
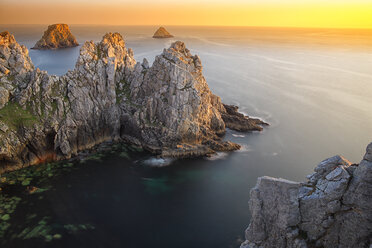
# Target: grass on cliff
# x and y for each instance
(14, 116)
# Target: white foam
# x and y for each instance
(238, 135)
(218, 156)
(158, 162)
(244, 148)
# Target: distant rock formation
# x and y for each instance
(57, 36)
(332, 209)
(162, 33)
(166, 108)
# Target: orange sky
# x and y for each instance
(293, 13)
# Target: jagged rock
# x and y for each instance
(332, 209)
(177, 106)
(239, 122)
(56, 36)
(162, 33)
(167, 108)
(14, 58)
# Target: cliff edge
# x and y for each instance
(166, 108)
(332, 209)
(56, 36)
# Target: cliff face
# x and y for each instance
(332, 209)
(167, 108)
(162, 33)
(56, 36)
(14, 59)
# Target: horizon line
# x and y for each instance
(184, 25)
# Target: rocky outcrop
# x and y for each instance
(56, 36)
(162, 33)
(14, 58)
(167, 108)
(239, 122)
(332, 209)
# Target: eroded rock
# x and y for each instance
(332, 209)
(56, 36)
(162, 33)
(166, 108)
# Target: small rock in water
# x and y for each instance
(162, 33)
(56, 36)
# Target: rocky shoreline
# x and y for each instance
(168, 108)
(332, 209)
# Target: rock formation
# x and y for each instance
(162, 33)
(167, 108)
(56, 36)
(332, 209)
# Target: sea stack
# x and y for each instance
(166, 108)
(162, 33)
(56, 36)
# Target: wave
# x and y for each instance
(245, 148)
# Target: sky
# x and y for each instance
(282, 13)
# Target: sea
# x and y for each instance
(313, 86)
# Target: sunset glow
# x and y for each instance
(285, 13)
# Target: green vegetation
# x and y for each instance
(93, 157)
(123, 92)
(99, 52)
(5, 217)
(10, 78)
(55, 89)
(14, 116)
(54, 106)
(18, 186)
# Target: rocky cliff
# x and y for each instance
(162, 33)
(332, 209)
(167, 108)
(56, 36)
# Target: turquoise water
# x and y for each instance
(313, 86)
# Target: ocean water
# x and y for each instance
(314, 87)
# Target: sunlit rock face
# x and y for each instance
(167, 108)
(56, 36)
(14, 58)
(162, 33)
(332, 209)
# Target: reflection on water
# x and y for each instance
(313, 86)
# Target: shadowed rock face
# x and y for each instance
(167, 108)
(56, 36)
(332, 209)
(162, 33)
